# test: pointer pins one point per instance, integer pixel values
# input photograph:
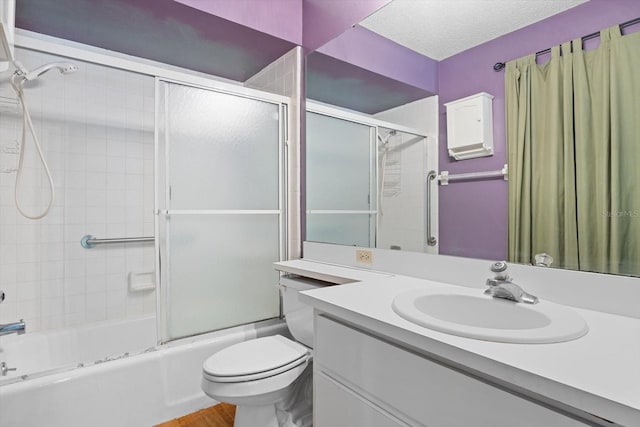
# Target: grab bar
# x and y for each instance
(89, 241)
(445, 178)
(431, 241)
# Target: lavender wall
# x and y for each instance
(160, 30)
(366, 49)
(279, 18)
(473, 215)
(323, 20)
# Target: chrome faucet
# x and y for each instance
(543, 260)
(13, 328)
(501, 286)
(4, 369)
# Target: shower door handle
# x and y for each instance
(431, 240)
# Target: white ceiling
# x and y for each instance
(442, 28)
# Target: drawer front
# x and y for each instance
(336, 406)
(419, 390)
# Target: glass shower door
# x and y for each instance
(341, 181)
(219, 204)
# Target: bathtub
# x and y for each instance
(110, 387)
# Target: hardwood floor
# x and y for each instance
(221, 415)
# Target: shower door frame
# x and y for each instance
(163, 271)
(376, 125)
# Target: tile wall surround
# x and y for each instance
(278, 77)
(96, 128)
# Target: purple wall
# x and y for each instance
(473, 215)
(160, 30)
(340, 83)
(323, 20)
(279, 18)
(366, 49)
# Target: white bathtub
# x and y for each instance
(35, 354)
(136, 390)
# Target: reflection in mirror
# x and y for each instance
(341, 198)
(365, 181)
(352, 89)
(473, 215)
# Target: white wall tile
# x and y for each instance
(96, 127)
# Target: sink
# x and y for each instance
(469, 313)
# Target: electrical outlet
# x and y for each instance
(364, 256)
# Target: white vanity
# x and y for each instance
(374, 368)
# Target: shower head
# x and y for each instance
(385, 140)
(63, 67)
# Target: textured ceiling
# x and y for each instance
(442, 28)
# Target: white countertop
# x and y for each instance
(331, 273)
(598, 373)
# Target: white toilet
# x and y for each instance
(269, 379)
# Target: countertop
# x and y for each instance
(598, 373)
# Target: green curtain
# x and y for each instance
(573, 139)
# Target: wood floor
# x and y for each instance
(221, 415)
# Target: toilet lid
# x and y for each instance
(255, 356)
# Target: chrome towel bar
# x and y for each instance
(89, 241)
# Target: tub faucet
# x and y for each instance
(13, 328)
(4, 369)
(501, 286)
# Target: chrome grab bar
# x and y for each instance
(431, 241)
(89, 241)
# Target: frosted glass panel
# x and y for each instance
(223, 150)
(218, 154)
(342, 229)
(221, 271)
(339, 164)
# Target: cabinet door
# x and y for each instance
(336, 406)
(421, 391)
(466, 123)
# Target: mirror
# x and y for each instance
(371, 142)
(469, 217)
(365, 180)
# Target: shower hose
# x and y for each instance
(17, 82)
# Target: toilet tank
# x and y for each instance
(299, 316)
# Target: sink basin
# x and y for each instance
(469, 313)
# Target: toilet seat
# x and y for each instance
(238, 363)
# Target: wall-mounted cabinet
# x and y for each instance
(470, 126)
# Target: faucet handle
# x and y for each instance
(543, 260)
(500, 269)
(499, 266)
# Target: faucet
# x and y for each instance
(13, 328)
(501, 286)
(543, 260)
(4, 369)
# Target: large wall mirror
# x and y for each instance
(371, 141)
(376, 127)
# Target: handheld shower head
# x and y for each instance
(385, 140)
(63, 67)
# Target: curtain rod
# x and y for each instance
(499, 66)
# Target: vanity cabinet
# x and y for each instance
(363, 380)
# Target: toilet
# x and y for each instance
(269, 379)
